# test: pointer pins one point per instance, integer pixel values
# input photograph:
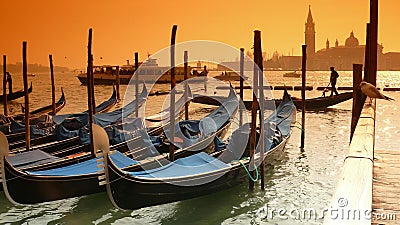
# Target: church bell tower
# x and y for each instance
(310, 34)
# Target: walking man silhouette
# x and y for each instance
(9, 80)
(334, 77)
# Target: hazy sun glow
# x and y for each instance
(122, 27)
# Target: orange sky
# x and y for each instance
(121, 27)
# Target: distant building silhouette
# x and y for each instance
(342, 57)
(33, 68)
(310, 34)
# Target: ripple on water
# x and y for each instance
(40, 213)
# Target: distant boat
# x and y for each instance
(229, 76)
(31, 75)
(148, 71)
(294, 74)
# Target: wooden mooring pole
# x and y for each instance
(117, 82)
(373, 62)
(5, 85)
(137, 83)
(370, 70)
(358, 98)
(254, 108)
(172, 98)
(25, 77)
(205, 81)
(92, 85)
(185, 77)
(259, 61)
(53, 88)
(90, 91)
(303, 94)
(241, 72)
(367, 52)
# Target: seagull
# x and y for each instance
(372, 92)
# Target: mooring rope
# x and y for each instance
(298, 128)
(247, 171)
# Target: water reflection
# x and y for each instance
(40, 213)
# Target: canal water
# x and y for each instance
(300, 180)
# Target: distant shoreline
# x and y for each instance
(33, 68)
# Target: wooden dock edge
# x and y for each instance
(352, 199)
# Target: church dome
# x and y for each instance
(351, 41)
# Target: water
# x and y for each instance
(299, 180)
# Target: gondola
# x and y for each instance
(312, 104)
(133, 145)
(16, 94)
(196, 175)
(76, 148)
(102, 108)
(64, 151)
(45, 109)
(5, 125)
(81, 178)
(107, 105)
(321, 103)
(16, 136)
(63, 138)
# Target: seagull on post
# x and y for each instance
(372, 92)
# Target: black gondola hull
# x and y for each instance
(45, 109)
(24, 190)
(131, 193)
(51, 188)
(312, 104)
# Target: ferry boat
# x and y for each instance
(148, 71)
